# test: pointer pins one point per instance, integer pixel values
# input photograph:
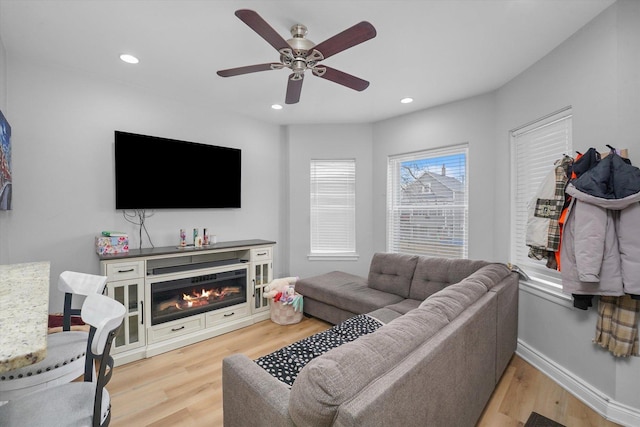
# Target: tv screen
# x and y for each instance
(162, 173)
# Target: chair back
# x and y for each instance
(77, 283)
(81, 283)
(73, 282)
(105, 315)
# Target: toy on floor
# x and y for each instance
(284, 290)
(290, 297)
(288, 294)
(297, 303)
(277, 287)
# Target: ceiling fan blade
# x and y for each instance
(260, 26)
(246, 70)
(294, 88)
(342, 78)
(350, 37)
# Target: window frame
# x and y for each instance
(393, 206)
(348, 189)
(541, 279)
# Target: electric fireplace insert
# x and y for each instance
(179, 298)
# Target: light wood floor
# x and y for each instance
(184, 387)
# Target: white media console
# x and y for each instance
(178, 296)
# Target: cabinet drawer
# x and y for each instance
(176, 328)
(260, 254)
(227, 314)
(125, 270)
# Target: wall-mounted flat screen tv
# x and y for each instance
(162, 173)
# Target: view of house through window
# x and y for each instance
(333, 208)
(427, 203)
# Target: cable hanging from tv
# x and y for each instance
(138, 218)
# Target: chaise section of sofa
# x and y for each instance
(435, 365)
(398, 282)
(337, 296)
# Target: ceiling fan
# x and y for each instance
(300, 54)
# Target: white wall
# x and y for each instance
(469, 121)
(628, 372)
(63, 124)
(596, 72)
(328, 142)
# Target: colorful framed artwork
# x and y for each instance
(5, 163)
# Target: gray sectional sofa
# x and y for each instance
(449, 329)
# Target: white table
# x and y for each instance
(24, 314)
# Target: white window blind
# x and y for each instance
(333, 207)
(427, 203)
(535, 148)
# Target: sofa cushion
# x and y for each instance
(345, 291)
(285, 363)
(453, 300)
(434, 274)
(392, 273)
(384, 315)
(404, 306)
(335, 377)
(490, 275)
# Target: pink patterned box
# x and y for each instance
(112, 245)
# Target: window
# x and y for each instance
(333, 208)
(427, 203)
(535, 148)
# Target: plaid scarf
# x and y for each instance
(617, 325)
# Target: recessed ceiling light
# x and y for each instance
(276, 107)
(406, 100)
(129, 59)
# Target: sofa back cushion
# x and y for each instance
(452, 301)
(490, 275)
(392, 273)
(455, 298)
(434, 274)
(328, 381)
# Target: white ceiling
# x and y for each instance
(435, 51)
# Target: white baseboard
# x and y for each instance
(589, 395)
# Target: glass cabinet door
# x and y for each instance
(261, 277)
(129, 293)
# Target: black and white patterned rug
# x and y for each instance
(285, 363)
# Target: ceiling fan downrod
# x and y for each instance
(298, 57)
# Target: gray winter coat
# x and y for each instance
(600, 252)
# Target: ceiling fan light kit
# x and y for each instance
(300, 54)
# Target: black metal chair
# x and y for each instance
(85, 403)
(65, 360)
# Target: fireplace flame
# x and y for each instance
(205, 297)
